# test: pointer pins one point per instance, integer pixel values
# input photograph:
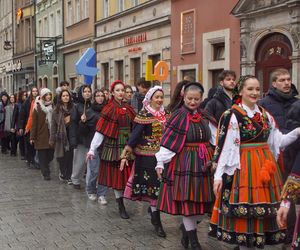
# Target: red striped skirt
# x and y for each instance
(186, 188)
(111, 176)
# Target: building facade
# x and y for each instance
(128, 33)
(23, 68)
(6, 45)
(270, 38)
(204, 44)
(79, 18)
(49, 39)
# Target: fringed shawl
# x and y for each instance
(108, 124)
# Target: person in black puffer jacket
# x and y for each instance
(278, 101)
(293, 121)
(222, 99)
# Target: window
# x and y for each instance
(215, 77)
(77, 14)
(121, 5)
(105, 8)
(105, 70)
(155, 59)
(51, 26)
(135, 69)
(189, 74)
(85, 8)
(135, 2)
(29, 34)
(40, 28)
(218, 51)
(58, 23)
(70, 13)
(119, 70)
(46, 26)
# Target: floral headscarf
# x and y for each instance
(160, 114)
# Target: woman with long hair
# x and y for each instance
(113, 130)
(63, 134)
(93, 190)
(40, 130)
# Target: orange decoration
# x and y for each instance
(264, 175)
(270, 166)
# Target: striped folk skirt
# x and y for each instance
(245, 211)
(186, 188)
(111, 176)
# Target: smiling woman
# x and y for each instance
(248, 180)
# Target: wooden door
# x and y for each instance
(272, 53)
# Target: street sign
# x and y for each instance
(86, 66)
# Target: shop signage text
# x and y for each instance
(135, 39)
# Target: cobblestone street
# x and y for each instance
(38, 214)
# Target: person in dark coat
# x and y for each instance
(137, 99)
(11, 116)
(278, 101)
(222, 99)
(24, 125)
(3, 136)
(22, 96)
(85, 126)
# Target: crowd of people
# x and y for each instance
(234, 155)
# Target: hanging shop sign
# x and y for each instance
(48, 51)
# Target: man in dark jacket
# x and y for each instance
(278, 101)
(222, 99)
(22, 123)
(137, 99)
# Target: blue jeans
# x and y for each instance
(91, 177)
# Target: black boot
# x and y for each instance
(156, 222)
(195, 245)
(122, 209)
(185, 237)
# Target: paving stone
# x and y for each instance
(35, 214)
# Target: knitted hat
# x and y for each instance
(44, 92)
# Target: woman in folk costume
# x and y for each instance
(247, 181)
(291, 190)
(290, 194)
(143, 183)
(113, 129)
(185, 156)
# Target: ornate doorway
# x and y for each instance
(274, 51)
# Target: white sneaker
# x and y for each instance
(102, 200)
(92, 197)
